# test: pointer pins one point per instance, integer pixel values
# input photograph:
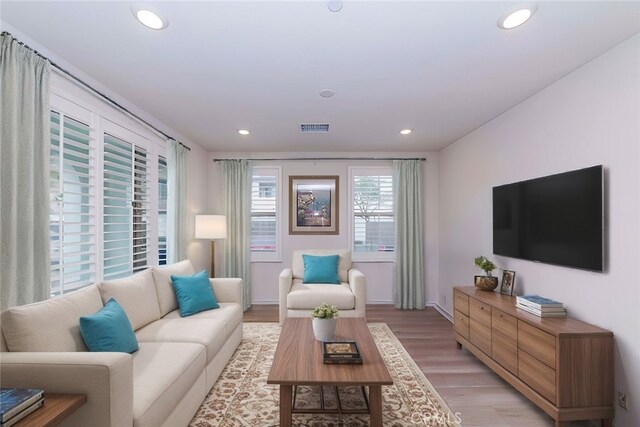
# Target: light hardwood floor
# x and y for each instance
(468, 386)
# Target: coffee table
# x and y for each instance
(298, 361)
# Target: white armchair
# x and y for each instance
(297, 299)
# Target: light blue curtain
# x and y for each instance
(236, 248)
(407, 183)
(24, 175)
(177, 206)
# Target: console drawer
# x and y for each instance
(461, 302)
(537, 343)
(537, 375)
(480, 312)
(461, 324)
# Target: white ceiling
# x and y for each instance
(439, 68)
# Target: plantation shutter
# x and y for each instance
(162, 210)
(72, 219)
(125, 208)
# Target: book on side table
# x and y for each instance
(17, 403)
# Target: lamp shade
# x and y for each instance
(211, 227)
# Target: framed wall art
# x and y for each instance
(313, 204)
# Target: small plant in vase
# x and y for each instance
(488, 282)
(324, 321)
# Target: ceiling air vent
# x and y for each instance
(314, 127)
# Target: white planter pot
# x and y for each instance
(324, 329)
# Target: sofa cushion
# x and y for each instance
(50, 325)
(162, 374)
(321, 269)
(137, 296)
(229, 313)
(310, 295)
(108, 330)
(210, 333)
(344, 265)
(194, 293)
(164, 288)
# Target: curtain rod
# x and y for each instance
(329, 158)
(97, 92)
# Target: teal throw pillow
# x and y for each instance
(321, 269)
(194, 293)
(108, 330)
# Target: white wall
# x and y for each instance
(380, 275)
(590, 117)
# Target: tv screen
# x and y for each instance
(556, 219)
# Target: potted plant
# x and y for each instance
(488, 282)
(324, 321)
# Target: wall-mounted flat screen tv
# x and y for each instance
(557, 219)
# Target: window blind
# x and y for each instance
(125, 208)
(72, 219)
(263, 211)
(373, 217)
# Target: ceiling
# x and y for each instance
(441, 69)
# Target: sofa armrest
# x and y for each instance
(227, 289)
(358, 284)
(285, 281)
(106, 379)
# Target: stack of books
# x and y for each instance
(540, 306)
(17, 403)
(341, 352)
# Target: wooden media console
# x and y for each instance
(562, 365)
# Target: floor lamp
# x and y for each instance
(212, 227)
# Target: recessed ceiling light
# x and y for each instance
(405, 131)
(335, 5)
(244, 132)
(149, 17)
(327, 93)
(515, 19)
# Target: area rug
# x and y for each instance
(241, 396)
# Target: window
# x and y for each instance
(162, 210)
(126, 208)
(265, 218)
(108, 197)
(72, 210)
(372, 216)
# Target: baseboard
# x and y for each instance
(441, 311)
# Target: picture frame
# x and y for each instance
(508, 282)
(313, 204)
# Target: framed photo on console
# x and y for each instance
(508, 282)
(313, 204)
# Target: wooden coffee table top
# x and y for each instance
(298, 357)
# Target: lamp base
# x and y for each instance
(212, 271)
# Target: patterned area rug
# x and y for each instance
(241, 396)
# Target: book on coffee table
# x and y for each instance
(341, 352)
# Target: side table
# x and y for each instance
(57, 407)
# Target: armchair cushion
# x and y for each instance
(303, 296)
(343, 265)
(321, 269)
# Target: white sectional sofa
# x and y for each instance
(161, 384)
